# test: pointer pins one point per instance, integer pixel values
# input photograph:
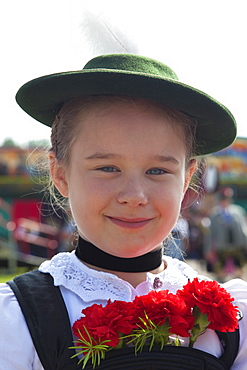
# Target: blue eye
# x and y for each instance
(108, 169)
(155, 171)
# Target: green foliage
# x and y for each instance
(10, 143)
(94, 351)
(149, 333)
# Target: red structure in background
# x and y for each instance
(26, 237)
(28, 209)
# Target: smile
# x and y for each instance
(135, 223)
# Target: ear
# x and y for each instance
(58, 175)
(189, 173)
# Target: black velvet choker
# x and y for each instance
(89, 253)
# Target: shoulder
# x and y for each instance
(236, 209)
(238, 289)
(11, 322)
(7, 299)
(5, 292)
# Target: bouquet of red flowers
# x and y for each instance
(158, 318)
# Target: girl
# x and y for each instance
(125, 137)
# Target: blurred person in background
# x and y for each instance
(226, 241)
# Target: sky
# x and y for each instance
(204, 42)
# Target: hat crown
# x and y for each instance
(131, 63)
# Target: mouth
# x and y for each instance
(130, 223)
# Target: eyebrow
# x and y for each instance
(165, 158)
(160, 158)
(99, 155)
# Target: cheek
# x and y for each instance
(172, 202)
(169, 199)
(88, 198)
(174, 190)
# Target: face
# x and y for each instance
(126, 178)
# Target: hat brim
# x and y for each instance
(43, 97)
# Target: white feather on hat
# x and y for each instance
(102, 33)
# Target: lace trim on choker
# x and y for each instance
(68, 271)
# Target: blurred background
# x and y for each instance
(204, 42)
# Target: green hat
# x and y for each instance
(134, 76)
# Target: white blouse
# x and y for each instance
(82, 286)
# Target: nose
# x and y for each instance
(132, 193)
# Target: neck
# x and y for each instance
(133, 269)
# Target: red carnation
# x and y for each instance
(105, 323)
(212, 300)
(162, 306)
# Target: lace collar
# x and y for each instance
(68, 271)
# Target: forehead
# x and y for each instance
(128, 126)
(104, 105)
(122, 113)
